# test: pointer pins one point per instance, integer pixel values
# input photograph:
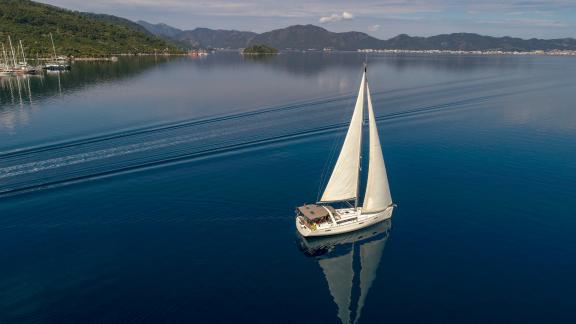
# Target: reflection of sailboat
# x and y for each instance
(347, 260)
(57, 73)
(344, 184)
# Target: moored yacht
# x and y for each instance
(59, 63)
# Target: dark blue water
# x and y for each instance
(162, 191)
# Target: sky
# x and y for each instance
(378, 18)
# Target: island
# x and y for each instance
(259, 49)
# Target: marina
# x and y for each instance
(14, 61)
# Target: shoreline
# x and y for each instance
(420, 52)
(114, 57)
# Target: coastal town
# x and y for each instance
(487, 52)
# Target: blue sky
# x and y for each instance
(382, 19)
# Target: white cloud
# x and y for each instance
(373, 28)
(345, 15)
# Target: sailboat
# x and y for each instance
(350, 264)
(334, 213)
(58, 63)
(24, 67)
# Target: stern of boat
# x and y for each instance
(302, 228)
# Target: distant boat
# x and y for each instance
(197, 53)
(334, 213)
(59, 63)
(350, 264)
(57, 66)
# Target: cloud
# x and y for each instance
(336, 17)
(374, 28)
(524, 18)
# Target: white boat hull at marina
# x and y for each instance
(334, 228)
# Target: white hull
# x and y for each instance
(361, 221)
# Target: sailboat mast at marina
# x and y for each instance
(5, 64)
(23, 55)
(53, 47)
(57, 64)
(12, 51)
(343, 186)
(11, 60)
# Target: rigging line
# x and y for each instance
(337, 142)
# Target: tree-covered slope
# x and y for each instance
(161, 29)
(75, 33)
(115, 20)
(475, 42)
(310, 36)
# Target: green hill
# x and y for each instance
(75, 33)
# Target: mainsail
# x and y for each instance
(377, 196)
(343, 183)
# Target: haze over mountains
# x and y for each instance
(303, 37)
(202, 37)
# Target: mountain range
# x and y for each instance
(302, 37)
(89, 34)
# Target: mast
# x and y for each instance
(6, 61)
(23, 56)
(360, 164)
(53, 47)
(5, 57)
(12, 51)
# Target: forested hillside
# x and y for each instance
(75, 33)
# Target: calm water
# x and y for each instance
(162, 191)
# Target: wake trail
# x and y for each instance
(150, 130)
(216, 138)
